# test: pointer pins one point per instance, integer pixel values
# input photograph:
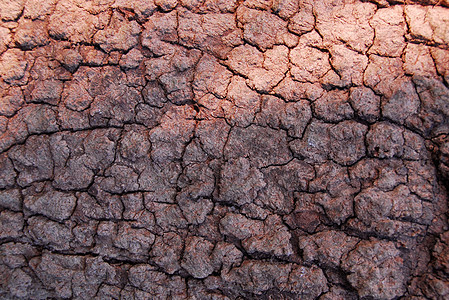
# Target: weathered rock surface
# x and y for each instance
(224, 149)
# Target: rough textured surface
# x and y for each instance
(224, 149)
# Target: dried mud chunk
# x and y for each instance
(308, 213)
(134, 143)
(76, 96)
(71, 22)
(258, 277)
(13, 65)
(104, 206)
(11, 101)
(214, 33)
(263, 29)
(226, 256)
(309, 64)
(11, 199)
(314, 146)
(115, 107)
(333, 107)
(11, 9)
(292, 91)
(435, 288)
(84, 235)
(275, 239)
(281, 182)
(196, 259)
(159, 31)
(134, 209)
(244, 103)
(11, 224)
(38, 9)
(240, 227)
(422, 180)
(47, 91)
(414, 146)
(326, 247)
(382, 73)
(347, 22)
(159, 181)
(240, 182)
(166, 252)
(434, 96)
(385, 140)
(373, 205)
(93, 57)
(154, 95)
(337, 293)
(262, 146)
(32, 160)
(418, 60)
(147, 115)
(30, 34)
(441, 252)
(271, 112)
(389, 27)
(69, 173)
(297, 116)
(348, 64)
(49, 233)
(131, 60)
(211, 77)
(119, 179)
(170, 138)
(137, 241)
(366, 104)
(196, 182)
(429, 24)
(157, 284)
(39, 119)
(142, 8)
(376, 269)
(441, 59)
(244, 59)
(383, 174)
(168, 216)
(21, 284)
(285, 8)
(56, 271)
(5, 39)
(212, 135)
(178, 86)
(195, 211)
(166, 5)
(336, 194)
(347, 140)
(307, 282)
(119, 35)
(304, 20)
(7, 172)
(275, 67)
(52, 204)
(100, 146)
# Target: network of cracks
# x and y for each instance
(224, 149)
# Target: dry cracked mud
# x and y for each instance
(224, 149)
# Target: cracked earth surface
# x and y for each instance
(224, 149)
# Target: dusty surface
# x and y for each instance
(219, 149)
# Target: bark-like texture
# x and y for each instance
(224, 149)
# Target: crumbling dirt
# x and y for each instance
(224, 149)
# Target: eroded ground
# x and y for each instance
(224, 149)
